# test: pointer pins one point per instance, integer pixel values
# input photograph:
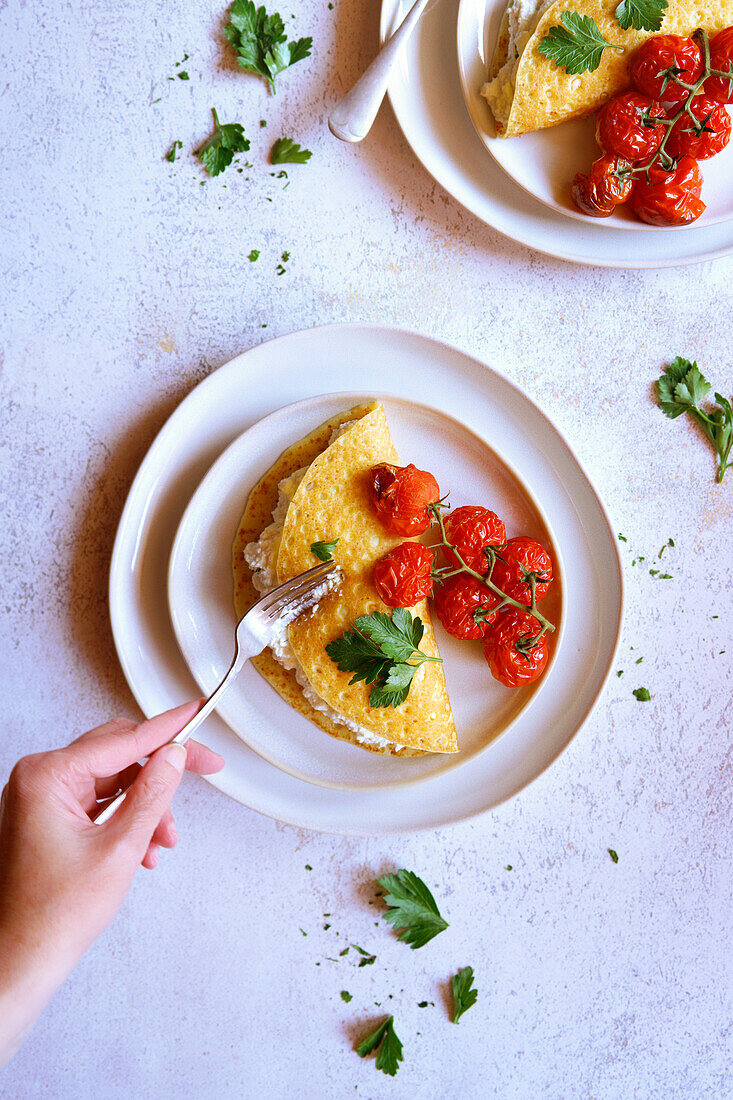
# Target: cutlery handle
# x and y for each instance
(352, 119)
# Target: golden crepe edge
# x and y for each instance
(543, 94)
(414, 727)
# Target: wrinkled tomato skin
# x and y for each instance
(684, 141)
(456, 602)
(507, 664)
(620, 131)
(666, 51)
(471, 528)
(508, 576)
(601, 191)
(400, 495)
(402, 577)
(669, 198)
(720, 88)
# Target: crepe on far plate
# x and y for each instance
(319, 490)
(527, 91)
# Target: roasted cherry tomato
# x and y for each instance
(660, 59)
(402, 577)
(470, 529)
(519, 557)
(671, 197)
(721, 58)
(606, 185)
(401, 495)
(702, 136)
(515, 652)
(465, 606)
(625, 126)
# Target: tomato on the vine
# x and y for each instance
(514, 650)
(626, 126)
(721, 59)
(401, 495)
(670, 196)
(604, 188)
(519, 557)
(659, 60)
(403, 576)
(703, 135)
(470, 529)
(465, 606)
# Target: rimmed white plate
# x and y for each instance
(544, 163)
(200, 595)
(426, 96)
(289, 369)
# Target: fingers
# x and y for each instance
(150, 859)
(165, 834)
(106, 751)
(149, 797)
(203, 760)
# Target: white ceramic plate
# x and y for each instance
(545, 163)
(426, 96)
(200, 595)
(344, 357)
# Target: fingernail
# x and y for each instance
(175, 755)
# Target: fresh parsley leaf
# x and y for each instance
(287, 151)
(353, 652)
(378, 650)
(171, 154)
(323, 550)
(642, 694)
(392, 695)
(464, 996)
(390, 1047)
(254, 255)
(366, 959)
(217, 153)
(398, 637)
(411, 908)
(183, 75)
(613, 854)
(261, 42)
(577, 46)
(644, 15)
(680, 390)
(345, 995)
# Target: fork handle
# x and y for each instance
(182, 737)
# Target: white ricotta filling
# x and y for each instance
(261, 557)
(523, 17)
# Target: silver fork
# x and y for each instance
(255, 630)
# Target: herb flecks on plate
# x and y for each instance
(383, 652)
(577, 46)
(217, 152)
(412, 909)
(390, 1048)
(680, 390)
(287, 151)
(261, 42)
(464, 993)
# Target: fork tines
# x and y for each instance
(298, 590)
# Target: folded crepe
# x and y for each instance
(527, 91)
(319, 490)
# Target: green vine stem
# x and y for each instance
(485, 579)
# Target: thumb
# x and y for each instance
(151, 793)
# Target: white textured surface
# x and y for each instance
(124, 283)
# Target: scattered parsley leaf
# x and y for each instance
(622, 538)
(644, 15)
(464, 996)
(390, 1047)
(344, 952)
(254, 255)
(323, 550)
(669, 542)
(509, 867)
(639, 660)
(183, 75)
(620, 672)
(308, 867)
(642, 694)
(577, 46)
(424, 1004)
(217, 153)
(261, 42)
(680, 390)
(411, 908)
(287, 151)
(613, 855)
(345, 995)
(171, 154)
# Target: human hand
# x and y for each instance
(62, 878)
